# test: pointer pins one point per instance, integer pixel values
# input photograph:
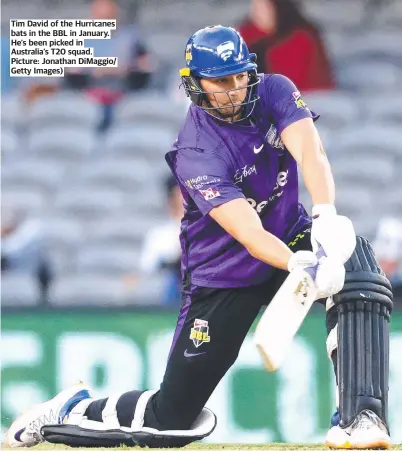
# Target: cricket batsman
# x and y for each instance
(243, 231)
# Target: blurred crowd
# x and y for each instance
(137, 110)
(104, 85)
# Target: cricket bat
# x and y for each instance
(284, 315)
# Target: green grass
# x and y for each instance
(201, 447)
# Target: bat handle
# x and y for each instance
(312, 270)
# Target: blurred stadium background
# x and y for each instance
(83, 188)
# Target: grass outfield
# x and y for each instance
(197, 446)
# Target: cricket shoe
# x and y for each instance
(366, 432)
(369, 432)
(25, 431)
(337, 438)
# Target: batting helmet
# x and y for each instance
(215, 52)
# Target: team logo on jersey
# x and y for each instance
(225, 50)
(210, 193)
(273, 138)
(199, 333)
(300, 103)
(188, 54)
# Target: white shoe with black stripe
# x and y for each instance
(25, 431)
(369, 432)
(366, 432)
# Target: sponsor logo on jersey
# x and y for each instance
(300, 103)
(192, 183)
(281, 181)
(199, 333)
(208, 182)
(273, 138)
(244, 172)
(209, 193)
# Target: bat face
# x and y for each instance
(283, 317)
(301, 291)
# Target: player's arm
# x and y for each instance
(334, 233)
(241, 221)
(303, 142)
(216, 195)
(294, 121)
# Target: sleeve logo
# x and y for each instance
(274, 139)
(300, 103)
(209, 193)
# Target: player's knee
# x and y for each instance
(365, 281)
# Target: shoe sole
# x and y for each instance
(345, 445)
(380, 444)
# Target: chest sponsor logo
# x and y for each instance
(281, 181)
(258, 207)
(273, 138)
(244, 172)
(199, 333)
(209, 193)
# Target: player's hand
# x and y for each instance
(302, 260)
(329, 274)
(333, 232)
(330, 277)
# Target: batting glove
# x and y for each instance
(333, 232)
(302, 260)
(330, 277)
(328, 274)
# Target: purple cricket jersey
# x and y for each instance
(216, 162)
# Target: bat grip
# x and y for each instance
(312, 270)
